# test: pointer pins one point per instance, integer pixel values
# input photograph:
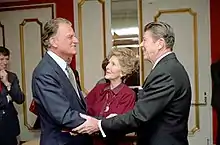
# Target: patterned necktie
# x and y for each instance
(72, 79)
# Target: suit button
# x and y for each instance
(3, 112)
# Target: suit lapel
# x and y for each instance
(81, 96)
(161, 62)
(65, 79)
(168, 57)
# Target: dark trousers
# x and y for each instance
(8, 141)
(218, 128)
(37, 123)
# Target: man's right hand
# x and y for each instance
(4, 77)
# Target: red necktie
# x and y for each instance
(0, 86)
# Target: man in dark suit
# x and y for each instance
(215, 72)
(58, 98)
(161, 113)
(37, 122)
(10, 92)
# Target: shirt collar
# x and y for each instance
(116, 90)
(61, 62)
(157, 61)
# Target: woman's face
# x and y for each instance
(113, 69)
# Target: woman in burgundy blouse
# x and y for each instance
(114, 97)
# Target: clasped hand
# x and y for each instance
(90, 126)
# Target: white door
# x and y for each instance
(22, 36)
(190, 20)
(93, 27)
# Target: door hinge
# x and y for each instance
(207, 141)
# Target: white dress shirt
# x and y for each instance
(62, 63)
(162, 56)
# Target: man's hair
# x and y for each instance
(4, 51)
(161, 30)
(50, 30)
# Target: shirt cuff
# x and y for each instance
(140, 88)
(100, 128)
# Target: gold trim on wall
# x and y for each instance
(140, 16)
(103, 26)
(80, 4)
(196, 71)
(23, 78)
(27, 7)
(3, 33)
(35, 6)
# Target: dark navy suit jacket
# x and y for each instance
(58, 105)
(9, 124)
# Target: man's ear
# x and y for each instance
(161, 43)
(52, 42)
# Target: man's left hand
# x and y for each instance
(89, 126)
(4, 77)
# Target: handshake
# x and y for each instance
(90, 126)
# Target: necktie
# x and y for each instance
(72, 79)
(0, 86)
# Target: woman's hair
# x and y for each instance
(104, 64)
(127, 58)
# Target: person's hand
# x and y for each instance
(89, 126)
(71, 133)
(4, 77)
(111, 115)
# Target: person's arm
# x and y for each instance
(3, 99)
(11, 90)
(15, 92)
(155, 97)
(125, 104)
(47, 91)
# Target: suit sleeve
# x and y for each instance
(3, 99)
(54, 101)
(15, 92)
(155, 96)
